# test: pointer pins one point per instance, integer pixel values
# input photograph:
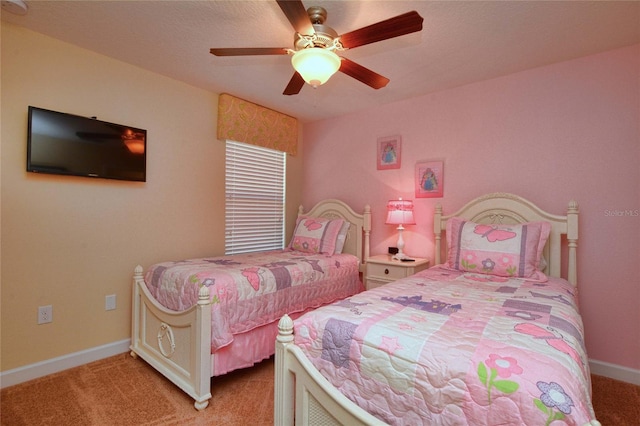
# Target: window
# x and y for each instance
(255, 198)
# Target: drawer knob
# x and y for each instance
(386, 271)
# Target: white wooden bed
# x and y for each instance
(305, 397)
(178, 344)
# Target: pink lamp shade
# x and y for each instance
(400, 212)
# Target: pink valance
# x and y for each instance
(243, 121)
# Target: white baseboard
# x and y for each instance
(613, 371)
(54, 365)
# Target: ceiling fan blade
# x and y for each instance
(296, 13)
(295, 85)
(407, 23)
(242, 51)
(365, 75)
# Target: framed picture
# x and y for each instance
(429, 179)
(389, 152)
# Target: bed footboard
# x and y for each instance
(303, 394)
(177, 344)
(304, 397)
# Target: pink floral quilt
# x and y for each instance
(449, 348)
(253, 289)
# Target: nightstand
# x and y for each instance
(382, 269)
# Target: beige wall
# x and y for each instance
(70, 241)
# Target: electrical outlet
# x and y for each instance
(45, 314)
(110, 302)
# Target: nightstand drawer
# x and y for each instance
(390, 272)
(382, 269)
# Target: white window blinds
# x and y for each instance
(255, 198)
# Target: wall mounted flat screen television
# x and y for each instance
(66, 144)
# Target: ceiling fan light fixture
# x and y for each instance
(316, 65)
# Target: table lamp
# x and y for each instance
(400, 212)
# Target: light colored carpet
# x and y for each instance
(121, 390)
(615, 402)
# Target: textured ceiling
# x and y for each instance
(461, 42)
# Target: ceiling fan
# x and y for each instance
(313, 56)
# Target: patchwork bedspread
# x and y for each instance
(449, 348)
(253, 289)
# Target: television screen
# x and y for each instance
(65, 144)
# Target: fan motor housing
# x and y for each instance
(324, 35)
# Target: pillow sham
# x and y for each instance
(502, 250)
(342, 237)
(316, 235)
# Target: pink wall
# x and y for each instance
(551, 134)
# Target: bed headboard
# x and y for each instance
(512, 209)
(357, 242)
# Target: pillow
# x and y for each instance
(543, 262)
(316, 235)
(342, 237)
(502, 250)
